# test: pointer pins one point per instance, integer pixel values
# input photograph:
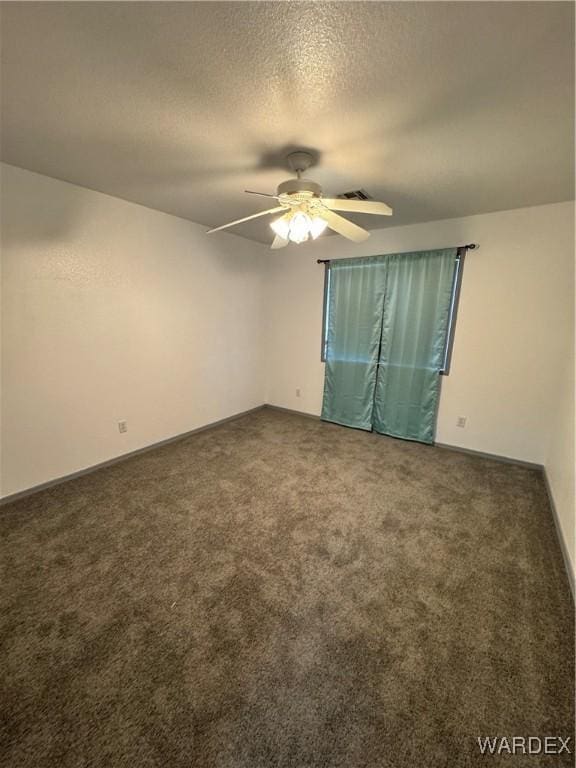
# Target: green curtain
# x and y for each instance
(355, 301)
(387, 325)
(414, 327)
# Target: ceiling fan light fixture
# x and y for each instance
(297, 227)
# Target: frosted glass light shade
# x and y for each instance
(299, 227)
(317, 226)
(281, 227)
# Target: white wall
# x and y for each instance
(560, 458)
(506, 351)
(114, 311)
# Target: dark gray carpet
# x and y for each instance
(283, 592)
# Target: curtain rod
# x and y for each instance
(468, 247)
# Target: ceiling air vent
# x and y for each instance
(356, 194)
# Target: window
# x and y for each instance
(456, 283)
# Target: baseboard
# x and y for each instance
(493, 456)
(481, 454)
(118, 459)
(561, 539)
(291, 410)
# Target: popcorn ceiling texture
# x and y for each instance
(282, 592)
(440, 109)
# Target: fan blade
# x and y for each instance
(279, 242)
(344, 227)
(261, 194)
(246, 218)
(357, 206)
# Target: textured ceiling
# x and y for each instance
(438, 109)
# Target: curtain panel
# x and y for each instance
(355, 307)
(387, 326)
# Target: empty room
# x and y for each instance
(287, 384)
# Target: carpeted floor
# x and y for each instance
(281, 592)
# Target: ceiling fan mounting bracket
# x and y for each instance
(299, 161)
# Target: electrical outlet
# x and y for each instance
(122, 426)
(461, 421)
(297, 391)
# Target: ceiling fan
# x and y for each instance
(305, 213)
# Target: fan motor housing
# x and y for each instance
(293, 186)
